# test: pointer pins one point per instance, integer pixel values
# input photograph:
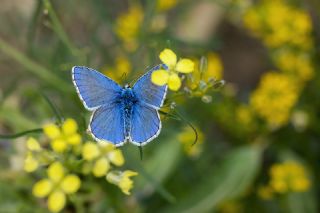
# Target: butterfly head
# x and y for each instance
(127, 86)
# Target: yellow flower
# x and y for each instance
(128, 25)
(61, 138)
(56, 201)
(116, 157)
(101, 167)
(164, 5)
(90, 151)
(122, 179)
(42, 188)
(33, 144)
(274, 98)
(56, 186)
(55, 171)
(161, 77)
(30, 163)
(70, 184)
(52, 131)
(289, 176)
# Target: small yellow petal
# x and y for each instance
(168, 57)
(70, 184)
(59, 145)
(106, 147)
(42, 188)
(101, 167)
(56, 201)
(52, 131)
(90, 151)
(116, 157)
(33, 145)
(69, 126)
(74, 139)
(129, 173)
(55, 171)
(160, 77)
(174, 82)
(185, 66)
(30, 164)
(122, 179)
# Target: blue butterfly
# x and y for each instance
(120, 114)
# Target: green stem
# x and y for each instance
(36, 69)
(58, 29)
(17, 135)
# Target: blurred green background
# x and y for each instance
(258, 148)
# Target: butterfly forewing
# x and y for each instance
(94, 88)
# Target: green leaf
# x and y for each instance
(156, 169)
(230, 180)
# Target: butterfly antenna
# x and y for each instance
(124, 77)
(189, 124)
(141, 152)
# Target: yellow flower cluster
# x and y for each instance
(285, 177)
(128, 25)
(170, 76)
(278, 24)
(186, 138)
(69, 159)
(274, 98)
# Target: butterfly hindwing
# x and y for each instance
(148, 92)
(107, 124)
(94, 88)
(145, 124)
